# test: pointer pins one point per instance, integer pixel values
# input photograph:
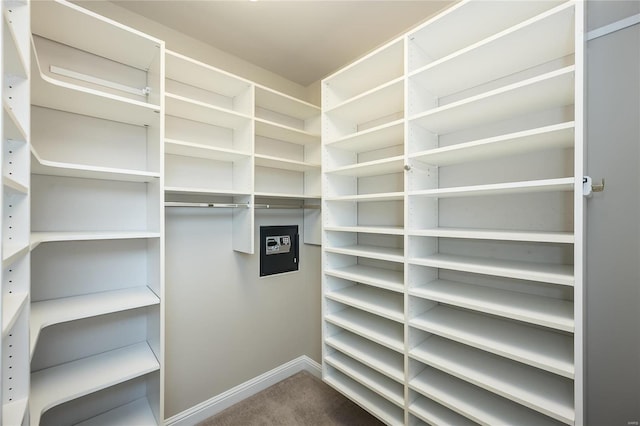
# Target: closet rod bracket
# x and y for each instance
(588, 187)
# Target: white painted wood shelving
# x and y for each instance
(452, 219)
(96, 245)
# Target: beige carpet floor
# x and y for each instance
(300, 400)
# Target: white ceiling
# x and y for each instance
(302, 40)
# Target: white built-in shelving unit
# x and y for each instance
(452, 219)
(231, 141)
(15, 197)
(94, 328)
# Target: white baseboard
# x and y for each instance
(244, 390)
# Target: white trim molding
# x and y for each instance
(213, 406)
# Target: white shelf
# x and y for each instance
(436, 414)
(203, 191)
(497, 234)
(13, 412)
(473, 402)
(525, 187)
(50, 312)
(285, 196)
(40, 166)
(285, 164)
(385, 196)
(378, 277)
(371, 299)
(375, 103)
(544, 38)
(548, 394)
(190, 149)
(538, 139)
(15, 62)
(136, 413)
(371, 168)
(12, 305)
(62, 383)
(373, 252)
(539, 310)
(13, 252)
(383, 136)
(387, 388)
(384, 230)
(553, 89)
(48, 237)
(370, 401)
(538, 347)
(190, 109)
(284, 104)
(542, 272)
(381, 359)
(11, 126)
(371, 327)
(280, 132)
(14, 187)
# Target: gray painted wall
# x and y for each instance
(613, 231)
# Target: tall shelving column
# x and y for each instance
(209, 141)
(15, 124)
(363, 230)
(494, 214)
(96, 316)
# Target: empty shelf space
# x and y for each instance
(554, 89)
(371, 168)
(378, 102)
(373, 252)
(369, 229)
(47, 237)
(543, 272)
(367, 399)
(546, 393)
(190, 149)
(371, 299)
(56, 385)
(283, 163)
(50, 312)
(284, 104)
(11, 253)
(383, 136)
(40, 166)
(538, 347)
(485, 60)
(385, 196)
(12, 306)
(269, 129)
(136, 413)
(539, 310)
(548, 137)
(381, 359)
(473, 402)
(383, 386)
(436, 414)
(369, 326)
(379, 277)
(180, 106)
(496, 234)
(14, 412)
(525, 187)
(15, 58)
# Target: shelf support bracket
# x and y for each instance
(588, 187)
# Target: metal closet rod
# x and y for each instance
(240, 205)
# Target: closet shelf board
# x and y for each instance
(496, 234)
(541, 348)
(384, 230)
(548, 394)
(378, 277)
(62, 383)
(369, 326)
(383, 136)
(190, 149)
(433, 413)
(371, 168)
(285, 164)
(554, 89)
(40, 166)
(485, 60)
(280, 132)
(376, 103)
(13, 412)
(539, 310)
(285, 196)
(372, 252)
(371, 299)
(48, 237)
(474, 403)
(137, 412)
(15, 60)
(373, 355)
(363, 198)
(12, 306)
(541, 272)
(524, 187)
(203, 191)
(387, 388)
(190, 109)
(50, 312)
(12, 127)
(284, 104)
(548, 137)
(14, 187)
(13, 252)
